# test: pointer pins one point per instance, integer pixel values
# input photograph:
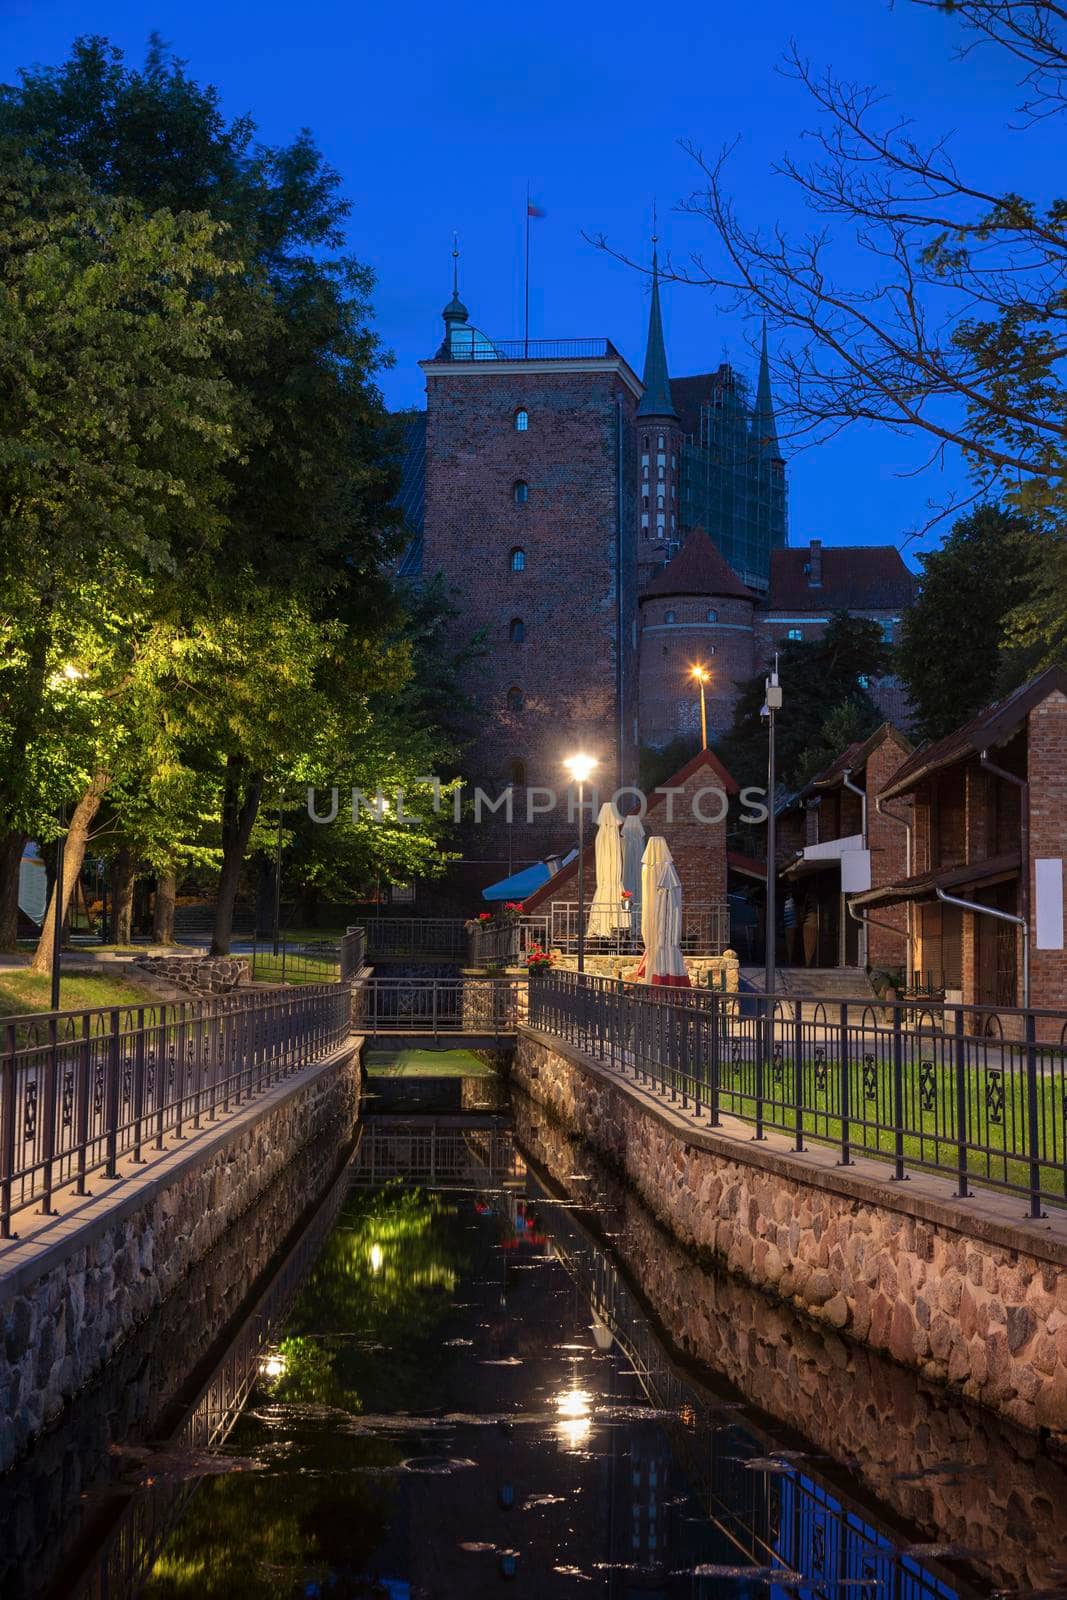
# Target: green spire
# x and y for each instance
(656, 400)
(764, 429)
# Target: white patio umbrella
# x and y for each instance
(608, 913)
(633, 846)
(661, 919)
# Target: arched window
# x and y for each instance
(516, 630)
(520, 492)
(522, 421)
(517, 559)
(518, 773)
(514, 698)
(672, 616)
(712, 616)
(795, 633)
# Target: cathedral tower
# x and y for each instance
(659, 444)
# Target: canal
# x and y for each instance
(480, 1366)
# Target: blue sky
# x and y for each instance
(437, 115)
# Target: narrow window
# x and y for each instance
(520, 492)
(712, 616)
(522, 421)
(887, 633)
(518, 560)
(516, 630)
(672, 616)
(660, 445)
(518, 773)
(795, 633)
(514, 698)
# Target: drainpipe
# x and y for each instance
(620, 620)
(1024, 829)
(907, 823)
(846, 780)
(1001, 916)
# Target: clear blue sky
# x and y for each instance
(436, 116)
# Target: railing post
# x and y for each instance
(718, 1020)
(1032, 1119)
(8, 1112)
(960, 1067)
(138, 1084)
(114, 1069)
(764, 1051)
(798, 1075)
(47, 1113)
(899, 1174)
(82, 1079)
(179, 1076)
(842, 1048)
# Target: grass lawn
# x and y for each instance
(425, 1064)
(22, 991)
(295, 967)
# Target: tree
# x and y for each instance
(954, 652)
(954, 332)
(825, 685)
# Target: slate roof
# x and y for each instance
(698, 569)
(855, 577)
(989, 728)
(412, 496)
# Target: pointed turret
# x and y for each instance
(764, 428)
(656, 400)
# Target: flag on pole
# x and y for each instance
(534, 211)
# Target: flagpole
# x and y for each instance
(526, 321)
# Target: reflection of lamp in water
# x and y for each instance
(272, 1366)
(603, 1337)
(376, 1258)
(575, 1422)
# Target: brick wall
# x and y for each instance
(887, 841)
(678, 632)
(1047, 730)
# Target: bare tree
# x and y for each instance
(956, 329)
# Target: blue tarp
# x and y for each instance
(520, 884)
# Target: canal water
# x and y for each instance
(483, 1368)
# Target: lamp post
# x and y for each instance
(276, 921)
(772, 702)
(580, 767)
(702, 675)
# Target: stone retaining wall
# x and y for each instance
(60, 1325)
(198, 975)
(916, 1277)
(957, 1474)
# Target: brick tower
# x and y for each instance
(659, 445)
(529, 518)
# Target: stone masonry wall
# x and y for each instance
(987, 1319)
(959, 1475)
(198, 975)
(59, 1329)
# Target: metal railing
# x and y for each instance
(80, 1089)
(705, 929)
(974, 1092)
(439, 1006)
(505, 942)
(295, 960)
(436, 1154)
(529, 350)
(416, 936)
(353, 953)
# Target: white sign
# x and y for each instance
(855, 871)
(1048, 902)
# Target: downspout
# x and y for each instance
(1024, 831)
(908, 824)
(1001, 916)
(846, 782)
(620, 675)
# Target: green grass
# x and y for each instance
(296, 967)
(22, 991)
(425, 1064)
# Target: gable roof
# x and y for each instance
(698, 569)
(989, 728)
(704, 759)
(855, 577)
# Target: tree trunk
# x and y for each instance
(240, 803)
(163, 916)
(74, 856)
(309, 905)
(11, 848)
(122, 881)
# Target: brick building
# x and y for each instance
(601, 534)
(989, 829)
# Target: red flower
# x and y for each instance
(627, 894)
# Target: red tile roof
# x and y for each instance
(698, 569)
(855, 577)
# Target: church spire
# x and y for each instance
(656, 400)
(764, 428)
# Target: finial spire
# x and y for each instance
(455, 266)
(764, 428)
(656, 400)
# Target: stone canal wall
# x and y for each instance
(965, 1292)
(66, 1307)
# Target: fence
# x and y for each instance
(505, 942)
(705, 929)
(943, 1088)
(416, 936)
(295, 961)
(483, 1006)
(79, 1089)
(353, 953)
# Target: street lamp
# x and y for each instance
(580, 768)
(772, 702)
(702, 676)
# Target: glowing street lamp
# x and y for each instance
(702, 676)
(580, 768)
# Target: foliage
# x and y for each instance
(656, 766)
(953, 655)
(825, 699)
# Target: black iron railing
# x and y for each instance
(976, 1092)
(416, 936)
(80, 1089)
(506, 942)
(491, 1007)
(614, 930)
(295, 960)
(529, 350)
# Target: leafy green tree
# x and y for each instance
(954, 654)
(822, 679)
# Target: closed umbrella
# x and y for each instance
(633, 847)
(661, 919)
(608, 914)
